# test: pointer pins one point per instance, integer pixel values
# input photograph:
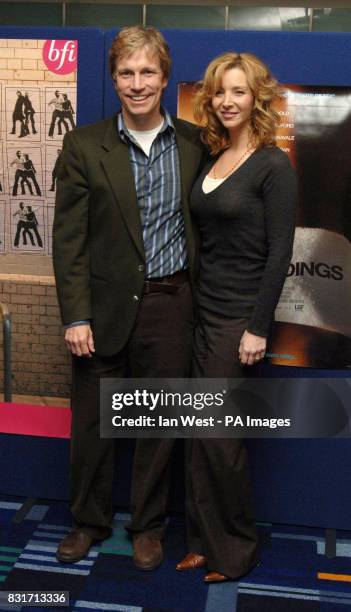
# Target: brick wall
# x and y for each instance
(40, 360)
(21, 60)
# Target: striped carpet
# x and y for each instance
(294, 574)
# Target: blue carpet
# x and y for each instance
(294, 574)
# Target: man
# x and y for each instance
(30, 172)
(32, 224)
(67, 113)
(54, 170)
(56, 113)
(29, 113)
(18, 115)
(22, 226)
(19, 174)
(123, 253)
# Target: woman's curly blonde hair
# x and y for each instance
(264, 88)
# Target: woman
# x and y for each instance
(32, 224)
(66, 113)
(244, 205)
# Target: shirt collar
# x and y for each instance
(125, 134)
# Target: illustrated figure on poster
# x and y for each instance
(56, 115)
(18, 115)
(29, 174)
(29, 113)
(19, 174)
(54, 171)
(32, 224)
(66, 113)
(24, 173)
(27, 223)
(21, 226)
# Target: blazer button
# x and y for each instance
(141, 268)
(135, 298)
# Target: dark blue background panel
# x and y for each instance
(90, 64)
(302, 482)
(298, 482)
(111, 102)
(33, 466)
(294, 57)
(295, 481)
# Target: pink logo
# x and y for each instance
(60, 56)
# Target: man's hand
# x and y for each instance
(252, 348)
(79, 340)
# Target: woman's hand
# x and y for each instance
(252, 348)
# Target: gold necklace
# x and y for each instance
(232, 167)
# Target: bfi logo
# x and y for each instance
(60, 56)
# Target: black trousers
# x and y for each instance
(55, 115)
(160, 346)
(220, 520)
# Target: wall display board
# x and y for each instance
(46, 77)
(38, 106)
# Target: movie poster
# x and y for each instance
(38, 105)
(313, 322)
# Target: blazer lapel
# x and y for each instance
(119, 173)
(190, 155)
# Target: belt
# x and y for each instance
(166, 284)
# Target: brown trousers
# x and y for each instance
(220, 521)
(159, 346)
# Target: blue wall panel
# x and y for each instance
(295, 481)
(294, 57)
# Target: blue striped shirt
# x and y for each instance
(158, 189)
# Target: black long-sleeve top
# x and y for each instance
(247, 228)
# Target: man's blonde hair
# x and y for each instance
(135, 38)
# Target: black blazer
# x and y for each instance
(98, 250)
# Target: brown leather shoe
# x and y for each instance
(191, 561)
(74, 546)
(148, 553)
(215, 577)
